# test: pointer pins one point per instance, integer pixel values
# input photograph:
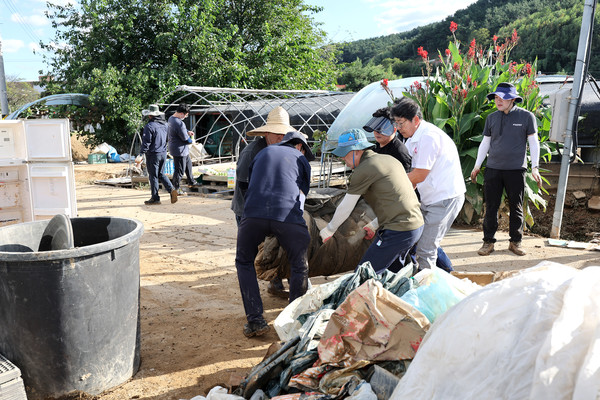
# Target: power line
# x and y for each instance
(26, 26)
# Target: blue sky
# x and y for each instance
(23, 24)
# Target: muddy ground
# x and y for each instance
(191, 310)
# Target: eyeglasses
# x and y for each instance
(398, 125)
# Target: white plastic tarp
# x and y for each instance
(360, 109)
(533, 336)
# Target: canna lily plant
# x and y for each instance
(453, 97)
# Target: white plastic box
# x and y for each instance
(36, 170)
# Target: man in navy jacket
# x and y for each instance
(274, 205)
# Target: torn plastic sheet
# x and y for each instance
(372, 324)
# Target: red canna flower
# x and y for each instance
(497, 49)
(453, 26)
(455, 90)
(495, 38)
(528, 69)
(384, 82)
(468, 79)
(417, 85)
(474, 84)
(514, 36)
(473, 44)
(448, 52)
(456, 66)
(464, 93)
(422, 53)
(471, 52)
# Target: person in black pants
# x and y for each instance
(154, 146)
(279, 182)
(506, 134)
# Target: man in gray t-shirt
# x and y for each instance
(505, 137)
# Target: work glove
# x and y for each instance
(370, 229)
(325, 234)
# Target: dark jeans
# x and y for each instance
(495, 182)
(389, 246)
(294, 238)
(155, 163)
(182, 165)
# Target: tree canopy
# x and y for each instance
(548, 30)
(129, 53)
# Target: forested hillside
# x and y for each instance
(548, 30)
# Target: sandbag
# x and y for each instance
(341, 253)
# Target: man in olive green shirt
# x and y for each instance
(383, 183)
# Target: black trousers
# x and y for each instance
(495, 182)
(294, 238)
(182, 165)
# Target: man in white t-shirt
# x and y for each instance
(436, 173)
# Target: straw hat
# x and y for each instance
(278, 121)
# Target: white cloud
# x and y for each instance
(400, 16)
(34, 47)
(12, 45)
(59, 2)
(33, 20)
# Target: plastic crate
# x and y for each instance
(97, 158)
(11, 384)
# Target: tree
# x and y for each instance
(454, 98)
(19, 92)
(356, 76)
(129, 53)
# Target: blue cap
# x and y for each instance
(506, 91)
(354, 139)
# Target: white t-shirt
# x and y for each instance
(432, 149)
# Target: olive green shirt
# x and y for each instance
(383, 183)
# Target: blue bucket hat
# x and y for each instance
(381, 125)
(506, 91)
(353, 139)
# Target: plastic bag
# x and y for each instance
(360, 109)
(437, 292)
(532, 336)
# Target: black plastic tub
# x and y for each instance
(69, 319)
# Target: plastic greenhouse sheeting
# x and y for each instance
(360, 109)
(533, 336)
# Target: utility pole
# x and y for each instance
(3, 92)
(585, 46)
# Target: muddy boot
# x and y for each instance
(486, 249)
(276, 288)
(516, 248)
(258, 328)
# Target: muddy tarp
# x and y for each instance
(341, 253)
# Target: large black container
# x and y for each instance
(69, 319)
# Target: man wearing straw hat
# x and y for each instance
(277, 125)
(505, 136)
(154, 146)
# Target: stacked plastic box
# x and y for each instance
(11, 384)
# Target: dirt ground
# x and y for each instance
(191, 310)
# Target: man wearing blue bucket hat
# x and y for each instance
(383, 183)
(506, 134)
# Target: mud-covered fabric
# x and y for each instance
(341, 253)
